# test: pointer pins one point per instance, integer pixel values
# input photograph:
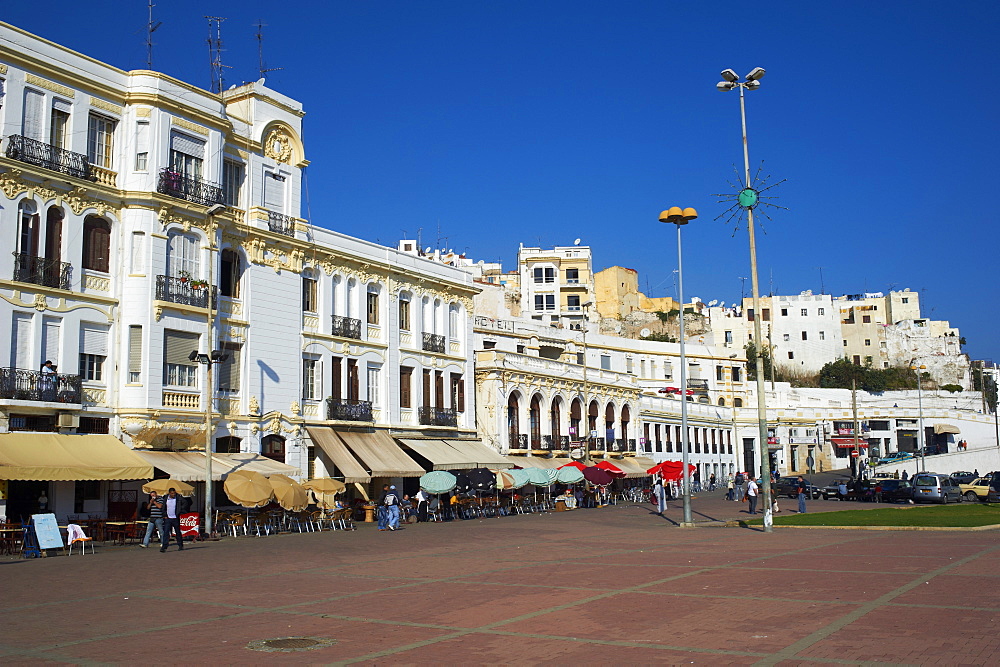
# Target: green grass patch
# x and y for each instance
(964, 515)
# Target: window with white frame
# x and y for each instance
(404, 312)
(821, 311)
(310, 297)
(134, 354)
(545, 302)
(374, 383)
(232, 182)
(31, 118)
(274, 191)
(178, 369)
(187, 155)
(605, 362)
(453, 325)
(100, 140)
(182, 255)
(805, 312)
(142, 145)
(311, 376)
(822, 335)
(372, 304)
(59, 123)
(93, 351)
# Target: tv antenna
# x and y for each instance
(822, 286)
(215, 51)
(743, 288)
(260, 51)
(150, 29)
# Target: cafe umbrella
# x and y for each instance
(248, 488)
(438, 481)
(325, 490)
(482, 479)
(291, 495)
(541, 477)
(569, 475)
(597, 476)
(162, 486)
(611, 468)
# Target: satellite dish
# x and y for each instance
(427, 250)
(482, 262)
(712, 303)
(576, 242)
(645, 333)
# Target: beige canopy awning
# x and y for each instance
(481, 455)
(183, 466)
(537, 462)
(348, 466)
(946, 428)
(255, 463)
(631, 467)
(380, 454)
(439, 453)
(58, 457)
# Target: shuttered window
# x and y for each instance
(93, 351)
(50, 340)
(405, 381)
(134, 353)
(229, 370)
(186, 155)
(178, 370)
(20, 353)
(96, 243)
(274, 192)
(31, 124)
(182, 255)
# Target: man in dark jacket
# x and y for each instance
(173, 506)
(383, 513)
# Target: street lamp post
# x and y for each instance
(920, 419)
(680, 217)
(748, 199)
(216, 357)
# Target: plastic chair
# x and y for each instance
(75, 535)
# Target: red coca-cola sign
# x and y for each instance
(190, 524)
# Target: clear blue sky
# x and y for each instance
(507, 121)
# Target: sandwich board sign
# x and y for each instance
(47, 531)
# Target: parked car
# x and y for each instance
(994, 494)
(975, 489)
(832, 491)
(931, 486)
(894, 490)
(789, 486)
(895, 457)
(963, 476)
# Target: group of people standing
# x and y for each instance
(164, 515)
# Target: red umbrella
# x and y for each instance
(598, 476)
(573, 464)
(611, 468)
(670, 469)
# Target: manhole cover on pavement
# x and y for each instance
(289, 644)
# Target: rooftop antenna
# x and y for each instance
(215, 51)
(822, 287)
(150, 29)
(743, 288)
(260, 51)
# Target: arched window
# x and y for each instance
(555, 411)
(228, 445)
(182, 255)
(737, 402)
(722, 402)
(575, 416)
(27, 240)
(273, 447)
(96, 243)
(230, 272)
(53, 234)
(535, 421)
(513, 421)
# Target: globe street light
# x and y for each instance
(680, 217)
(749, 198)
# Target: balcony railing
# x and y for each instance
(433, 343)
(280, 223)
(348, 327)
(31, 151)
(539, 442)
(597, 443)
(699, 385)
(184, 291)
(438, 416)
(193, 189)
(354, 411)
(518, 440)
(41, 271)
(631, 445)
(24, 385)
(561, 442)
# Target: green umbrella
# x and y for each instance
(569, 475)
(438, 481)
(521, 478)
(540, 477)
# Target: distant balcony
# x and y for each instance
(597, 443)
(698, 385)
(280, 223)
(38, 153)
(24, 385)
(41, 271)
(438, 416)
(354, 411)
(433, 343)
(631, 445)
(190, 188)
(185, 291)
(518, 440)
(560, 442)
(538, 443)
(347, 327)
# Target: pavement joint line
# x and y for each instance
(790, 651)
(548, 610)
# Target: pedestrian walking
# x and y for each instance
(730, 491)
(422, 500)
(173, 507)
(752, 496)
(906, 475)
(154, 516)
(383, 513)
(803, 489)
(660, 495)
(697, 481)
(392, 509)
(711, 482)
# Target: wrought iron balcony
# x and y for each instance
(438, 416)
(631, 445)
(41, 271)
(518, 440)
(348, 327)
(355, 411)
(698, 385)
(185, 291)
(597, 443)
(41, 154)
(561, 443)
(193, 189)
(24, 385)
(538, 443)
(433, 343)
(280, 223)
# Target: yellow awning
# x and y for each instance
(347, 466)
(481, 455)
(634, 467)
(945, 428)
(255, 463)
(537, 462)
(65, 458)
(184, 466)
(441, 456)
(380, 454)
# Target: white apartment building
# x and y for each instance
(151, 221)
(556, 284)
(804, 331)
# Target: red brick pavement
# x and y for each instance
(618, 584)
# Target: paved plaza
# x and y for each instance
(617, 584)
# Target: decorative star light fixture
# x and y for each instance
(748, 196)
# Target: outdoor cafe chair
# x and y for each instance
(75, 536)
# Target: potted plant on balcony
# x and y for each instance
(199, 284)
(183, 276)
